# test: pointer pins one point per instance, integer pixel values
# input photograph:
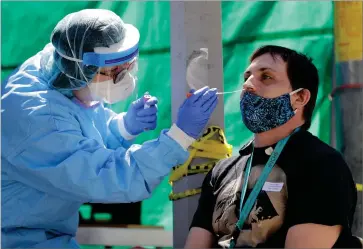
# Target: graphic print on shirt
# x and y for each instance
(266, 216)
(263, 209)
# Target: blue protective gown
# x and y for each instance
(57, 155)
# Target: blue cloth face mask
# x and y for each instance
(261, 114)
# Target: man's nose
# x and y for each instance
(249, 86)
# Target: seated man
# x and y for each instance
(308, 199)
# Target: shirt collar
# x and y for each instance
(246, 148)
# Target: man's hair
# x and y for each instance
(301, 72)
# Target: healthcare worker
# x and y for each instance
(61, 147)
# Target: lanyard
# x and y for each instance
(246, 208)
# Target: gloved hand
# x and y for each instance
(196, 110)
(137, 119)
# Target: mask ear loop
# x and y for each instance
(296, 91)
(73, 53)
(77, 61)
(293, 92)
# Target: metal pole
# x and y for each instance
(194, 25)
(348, 25)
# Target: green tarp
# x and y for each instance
(305, 26)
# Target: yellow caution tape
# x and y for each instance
(187, 193)
(204, 147)
(359, 187)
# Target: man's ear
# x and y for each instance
(301, 98)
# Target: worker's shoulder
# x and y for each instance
(23, 102)
(28, 109)
(26, 94)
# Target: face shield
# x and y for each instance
(116, 77)
(118, 81)
(114, 84)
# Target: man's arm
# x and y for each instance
(321, 205)
(312, 236)
(199, 238)
(201, 232)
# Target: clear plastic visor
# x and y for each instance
(115, 83)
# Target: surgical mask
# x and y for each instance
(112, 92)
(261, 114)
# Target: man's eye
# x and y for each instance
(266, 77)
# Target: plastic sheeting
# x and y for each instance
(305, 26)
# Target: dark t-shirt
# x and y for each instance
(310, 183)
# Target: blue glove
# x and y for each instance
(196, 110)
(138, 119)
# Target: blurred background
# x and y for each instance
(306, 26)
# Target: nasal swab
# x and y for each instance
(220, 93)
